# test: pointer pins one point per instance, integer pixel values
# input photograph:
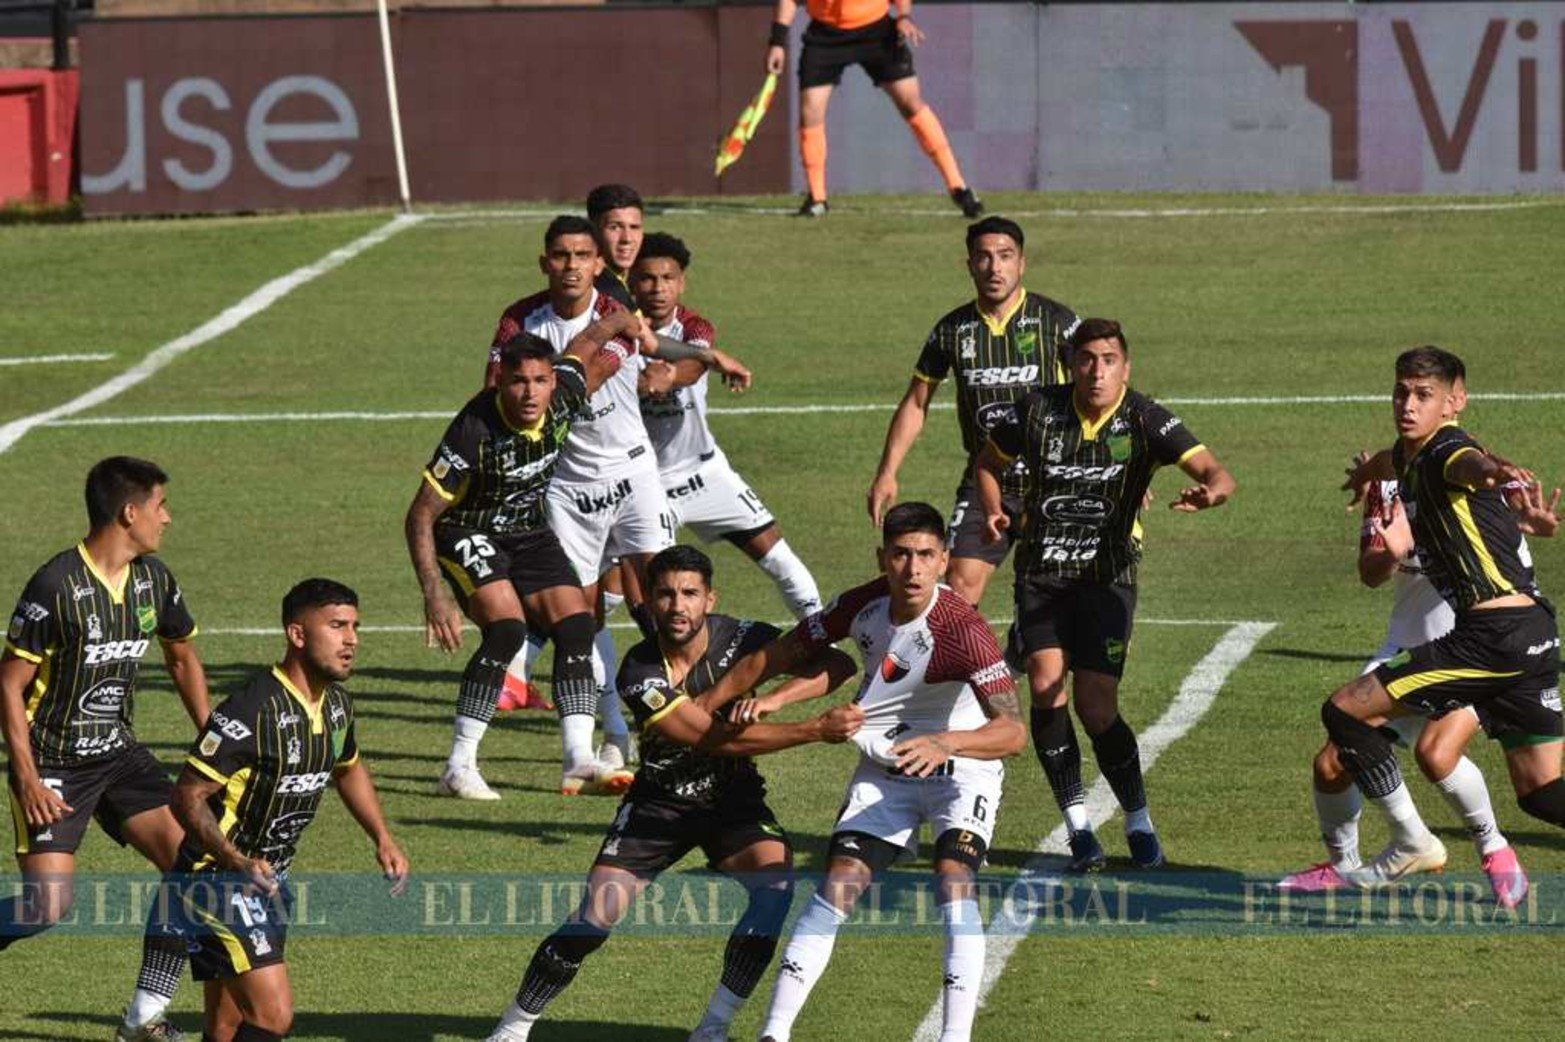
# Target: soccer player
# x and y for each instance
(619, 215)
(940, 712)
(251, 786)
(1502, 653)
(67, 686)
(697, 787)
(1090, 449)
(479, 519)
(843, 33)
(999, 346)
(704, 491)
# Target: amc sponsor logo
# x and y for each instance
(113, 651)
(104, 698)
(994, 414)
(1077, 510)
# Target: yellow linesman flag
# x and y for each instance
(732, 147)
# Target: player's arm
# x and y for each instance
(1473, 468)
(787, 654)
(687, 723)
(777, 42)
(906, 424)
(1385, 540)
(909, 33)
(829, 671)
(357, 790)
(194, 814)
(442, 619)
(189, 676)
(1002, 735)
(1214, 484)
(990, 463)
(605, 345)
(1366, 469)
(40, 804)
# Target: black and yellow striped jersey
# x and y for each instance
(644, 684)
(495, 476)
(612, 285)
(88, 636)
(1467, 540)
(996, 362)
(1086, 481)
(274, 752)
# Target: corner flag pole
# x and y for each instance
(396, 111)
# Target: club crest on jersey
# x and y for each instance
(1027, 342)
(1120, 448)
(147, 618)
(1401, 658)
(893, 668)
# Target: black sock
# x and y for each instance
(1546, 803)
(1364, 751)
(1054, 740)
(575, 690)
(555, 964)
(1120, 761)
(484, 677)
(163, 955)
(248, 1032)
(644, 621)
(18, 922)
(753, 941)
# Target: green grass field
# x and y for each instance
(1301, 298)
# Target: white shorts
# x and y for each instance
(713, 500)
(1408, 727)
(891, 808)
(598, 521)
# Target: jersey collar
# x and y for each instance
(1090, 430)
(313, 710)
(997, 326)
(533, 433)
(116, 590)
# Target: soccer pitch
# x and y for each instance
(295, 438)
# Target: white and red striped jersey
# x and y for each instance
(1418, 613)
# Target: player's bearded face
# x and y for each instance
(571, 263)
(1420, 404)
(1101, 371)
(328, 639)
(658, 283)
(913, 564)
(622, 232)
(996, 264)
(680, 603)
(526, 390)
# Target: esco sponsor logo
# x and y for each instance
(1081, 510)
(302, 784)
(104, 698)
(1002, 375)
(113, 651)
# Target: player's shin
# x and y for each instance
(616, 733)
(1546, 803)
(480, 689)
(1054, 740)
(1338, 814)
(803, 962)
(793, 579)
(162, 966)
(1465, 791)
(575, 691)
(553, 967)
(1368, 756)
(751, 946)
(964, 967)
(1119, 758)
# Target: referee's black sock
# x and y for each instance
(555, 964)
(1054, 741)
(1364, 751)
(1119, 758)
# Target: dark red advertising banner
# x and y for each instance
(200, 115)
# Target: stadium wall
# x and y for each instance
(213, 114)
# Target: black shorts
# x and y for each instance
(1505, 662)
(653, 830)
(530, 561)
(1090, 621)
(878, 47)
(228, 929)
(965, 536)
(113, 790)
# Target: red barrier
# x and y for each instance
(37, 130)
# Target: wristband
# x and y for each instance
(779, 37)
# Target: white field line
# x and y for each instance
(225, 322)
(1011, 923)
(54, 359)
(742, 410)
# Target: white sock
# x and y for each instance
(803, 962)
(521, 666)
(603, 671)
(1465, 791)
(722, 1009)
(1076, 819)
(464, 743)
(1406, 826)
(1338, 814)
(1138, 821)
(517, 1021)
(793, 580)
(964, 968)
(144, 1007)
(576, 738)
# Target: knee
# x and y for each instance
(575, 631)
(504, 638)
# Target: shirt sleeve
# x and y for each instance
(175, 622)
(570, 383)
(700, 332)
(834, 622)
(35, 622)
(1170, 440)
(987, 672)
(229, 744)
(350, 746)
(1448, 447)
(934, 362)
(451, 467)
(645, 690)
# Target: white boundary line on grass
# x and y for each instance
(742, 410)
(52, 359)
(225, 322)
(1011, 924)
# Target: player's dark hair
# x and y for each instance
(525, 347)
(1431, 361)
(1090, 329)
(113, 482)
(996, 226)
(604, 198)
(680, 558)
(908, 518)
(662, 244)
(315, 593)
(570, 224)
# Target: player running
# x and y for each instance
(1001, 345)
(843, 33)
(940, 713)
(1501, 655)
(67, 689)
(1090, 450)
(697, 787)
(704, 491)
(479, 521)
(251, 786)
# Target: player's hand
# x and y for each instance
(922, 756)
(1534, 515)
(995, 526)
(882, 493)
(1395, 532)
(1507, 473)
(841, 723)
(752, 710)
(657, 377)
(394, 863)
(1359, 479)
(733, 372)
(909, 33)
(442, 624)
(1196, 497)
(41, 804)
(776, 60)
(258, 874)
(645, 336)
